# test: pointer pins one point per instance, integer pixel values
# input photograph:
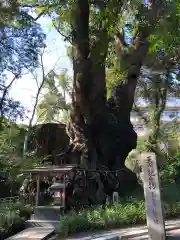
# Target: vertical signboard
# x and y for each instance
(154, 212)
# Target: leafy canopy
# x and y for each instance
(21, 38)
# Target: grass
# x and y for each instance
(12, 218)
(102, 218)
(131, 211)
(110, 217)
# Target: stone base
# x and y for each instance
(173, 238)
(41, 223)
(47, 213)
(35, 233)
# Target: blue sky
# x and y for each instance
(24, 89)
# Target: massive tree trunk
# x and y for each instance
(81, 115)
(102, 131)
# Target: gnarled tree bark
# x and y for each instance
(102, 130)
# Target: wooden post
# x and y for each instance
(37, 190)
(154, 211)
(64, 191)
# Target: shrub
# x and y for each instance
(110, 217)
(171, 170)
(102, 218)
(25, 211)
(12, 218)
(171, 193)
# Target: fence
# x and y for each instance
(9, 199)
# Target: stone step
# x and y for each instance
(50, 213)
(142, 233)
(133, 233)
(172, 232)
(136, 238)
(42, 223)
(35, 233)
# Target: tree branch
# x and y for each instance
(5, 92)
(140, 46)
(37, 5)
(137, 109)
(40, 5)
(121, 38)
(36, 101)
(66, 38)
(40, 14)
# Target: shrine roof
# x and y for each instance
(51, 169)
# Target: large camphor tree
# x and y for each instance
(104, 34)
(102, 127)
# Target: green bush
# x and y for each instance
(25, 211)
(171, 193)
(12, 218)
(171, 170)
(110, 217)
(102, 218)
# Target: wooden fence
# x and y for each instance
(9, 199)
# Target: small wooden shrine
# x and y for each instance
(58, 174)
(68, 186)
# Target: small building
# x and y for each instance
(58, 176)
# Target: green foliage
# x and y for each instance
(8, 10)
(169, 135)
(11, 109)
(21, 38)
(11, 151)
(110, 217)
(11, 145)
(170, 192)
(57, 87)
(102, 218)
(165, 39)
(171, 169)
(113, 76)
(164, 43)
(25, 211)
(12, 218)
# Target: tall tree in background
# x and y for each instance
(158, 82)
(21, 38)
(159, 78)
(100, 129)
(40, 86)
(53, 99)
(155, 88)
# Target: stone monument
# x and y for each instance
(154, 211)
(115, 198)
